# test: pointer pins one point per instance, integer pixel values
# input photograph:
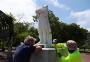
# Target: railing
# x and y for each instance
(85, 50)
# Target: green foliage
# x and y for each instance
(55, 26)
(34, 32)
(63, 32)
(6, 25)
(9, 27)
(61, 49)
(21, 27)
(6, 29)
(21, 30)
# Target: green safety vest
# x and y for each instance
(72, 57)
(61, 49)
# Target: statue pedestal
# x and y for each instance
(47, 55)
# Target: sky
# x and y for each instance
(69, 11)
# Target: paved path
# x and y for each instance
(86, 57)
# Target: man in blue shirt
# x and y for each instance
(24, 51)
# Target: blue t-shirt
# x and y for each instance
(23, 53)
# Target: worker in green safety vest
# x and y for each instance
(73, 54)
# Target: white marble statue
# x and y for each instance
(44, 26)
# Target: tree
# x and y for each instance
(34, 32)
(6, 32)
(64, 32)
(21, 30)
(74, 32)
(9, 27)
(6, 27)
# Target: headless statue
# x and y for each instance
(44, 26)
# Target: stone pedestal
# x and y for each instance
(47, 55)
